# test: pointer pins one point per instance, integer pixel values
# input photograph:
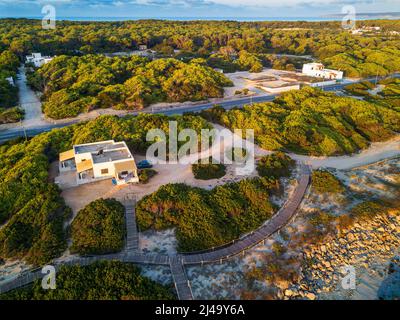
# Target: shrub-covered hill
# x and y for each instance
(205, 219)
(314, 122)
(99, 228)
(99, 281)
(32, 212)
(72, 85)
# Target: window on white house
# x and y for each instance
(104, 171)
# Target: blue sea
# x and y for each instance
(240, 19)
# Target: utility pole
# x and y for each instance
(23, 128)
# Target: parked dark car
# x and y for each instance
(144, 164)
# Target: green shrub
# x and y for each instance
(205, 219)
(11, 115)
(99, 281)
(275, 165)
(311, 121)
(326, 182)
(146, 174)
(99, 228)
(208, 171)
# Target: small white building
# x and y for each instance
(142, 47)
(38, 60)
(318, 70)
(99, 161)
(11, 81)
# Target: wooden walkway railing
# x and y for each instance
(182, 285)
(177, 262)
(132, 234)
(279, 220)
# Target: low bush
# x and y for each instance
(326, 182)
(99, 228)
(208, 171)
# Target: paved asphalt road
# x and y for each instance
(20, 132)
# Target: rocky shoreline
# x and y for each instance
(359, 246)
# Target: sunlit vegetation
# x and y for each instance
(222, 41)
(145, 175)
(32, 212)
(11, 115)
(9, 112)
(72, 85)
(99, 281)
(204, 219)
(209, 170)
(314, 122)
(275, 165)
(325, 182)
(389, 95)
(99, 228)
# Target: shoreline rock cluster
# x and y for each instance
(358, 246)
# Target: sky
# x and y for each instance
(192, 8)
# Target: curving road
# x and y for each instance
(41, 126)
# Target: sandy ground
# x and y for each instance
(376, 152)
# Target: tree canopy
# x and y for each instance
(111, 280)
(72, 85)
(314, 122)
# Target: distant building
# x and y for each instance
(99, 161)
(271, 88)
(318, 70)
(38, 60)
(11, 81)
(142, 47)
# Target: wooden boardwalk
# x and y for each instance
(182, 285)
(279, 220)
(177, 262)
(132, 234)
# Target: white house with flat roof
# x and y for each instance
(318, 70)
(99, 161)
(38, 60)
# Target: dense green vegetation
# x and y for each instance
(99, 228)
(99, 281)
(204, 219)
(388, 96)
(275, 165)
(146, 174)
(314, 122)
(325, 182)
(221, 42)
(72, 85)
(32, 211)
(208, 171)
(8, 93)
(11, 115)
